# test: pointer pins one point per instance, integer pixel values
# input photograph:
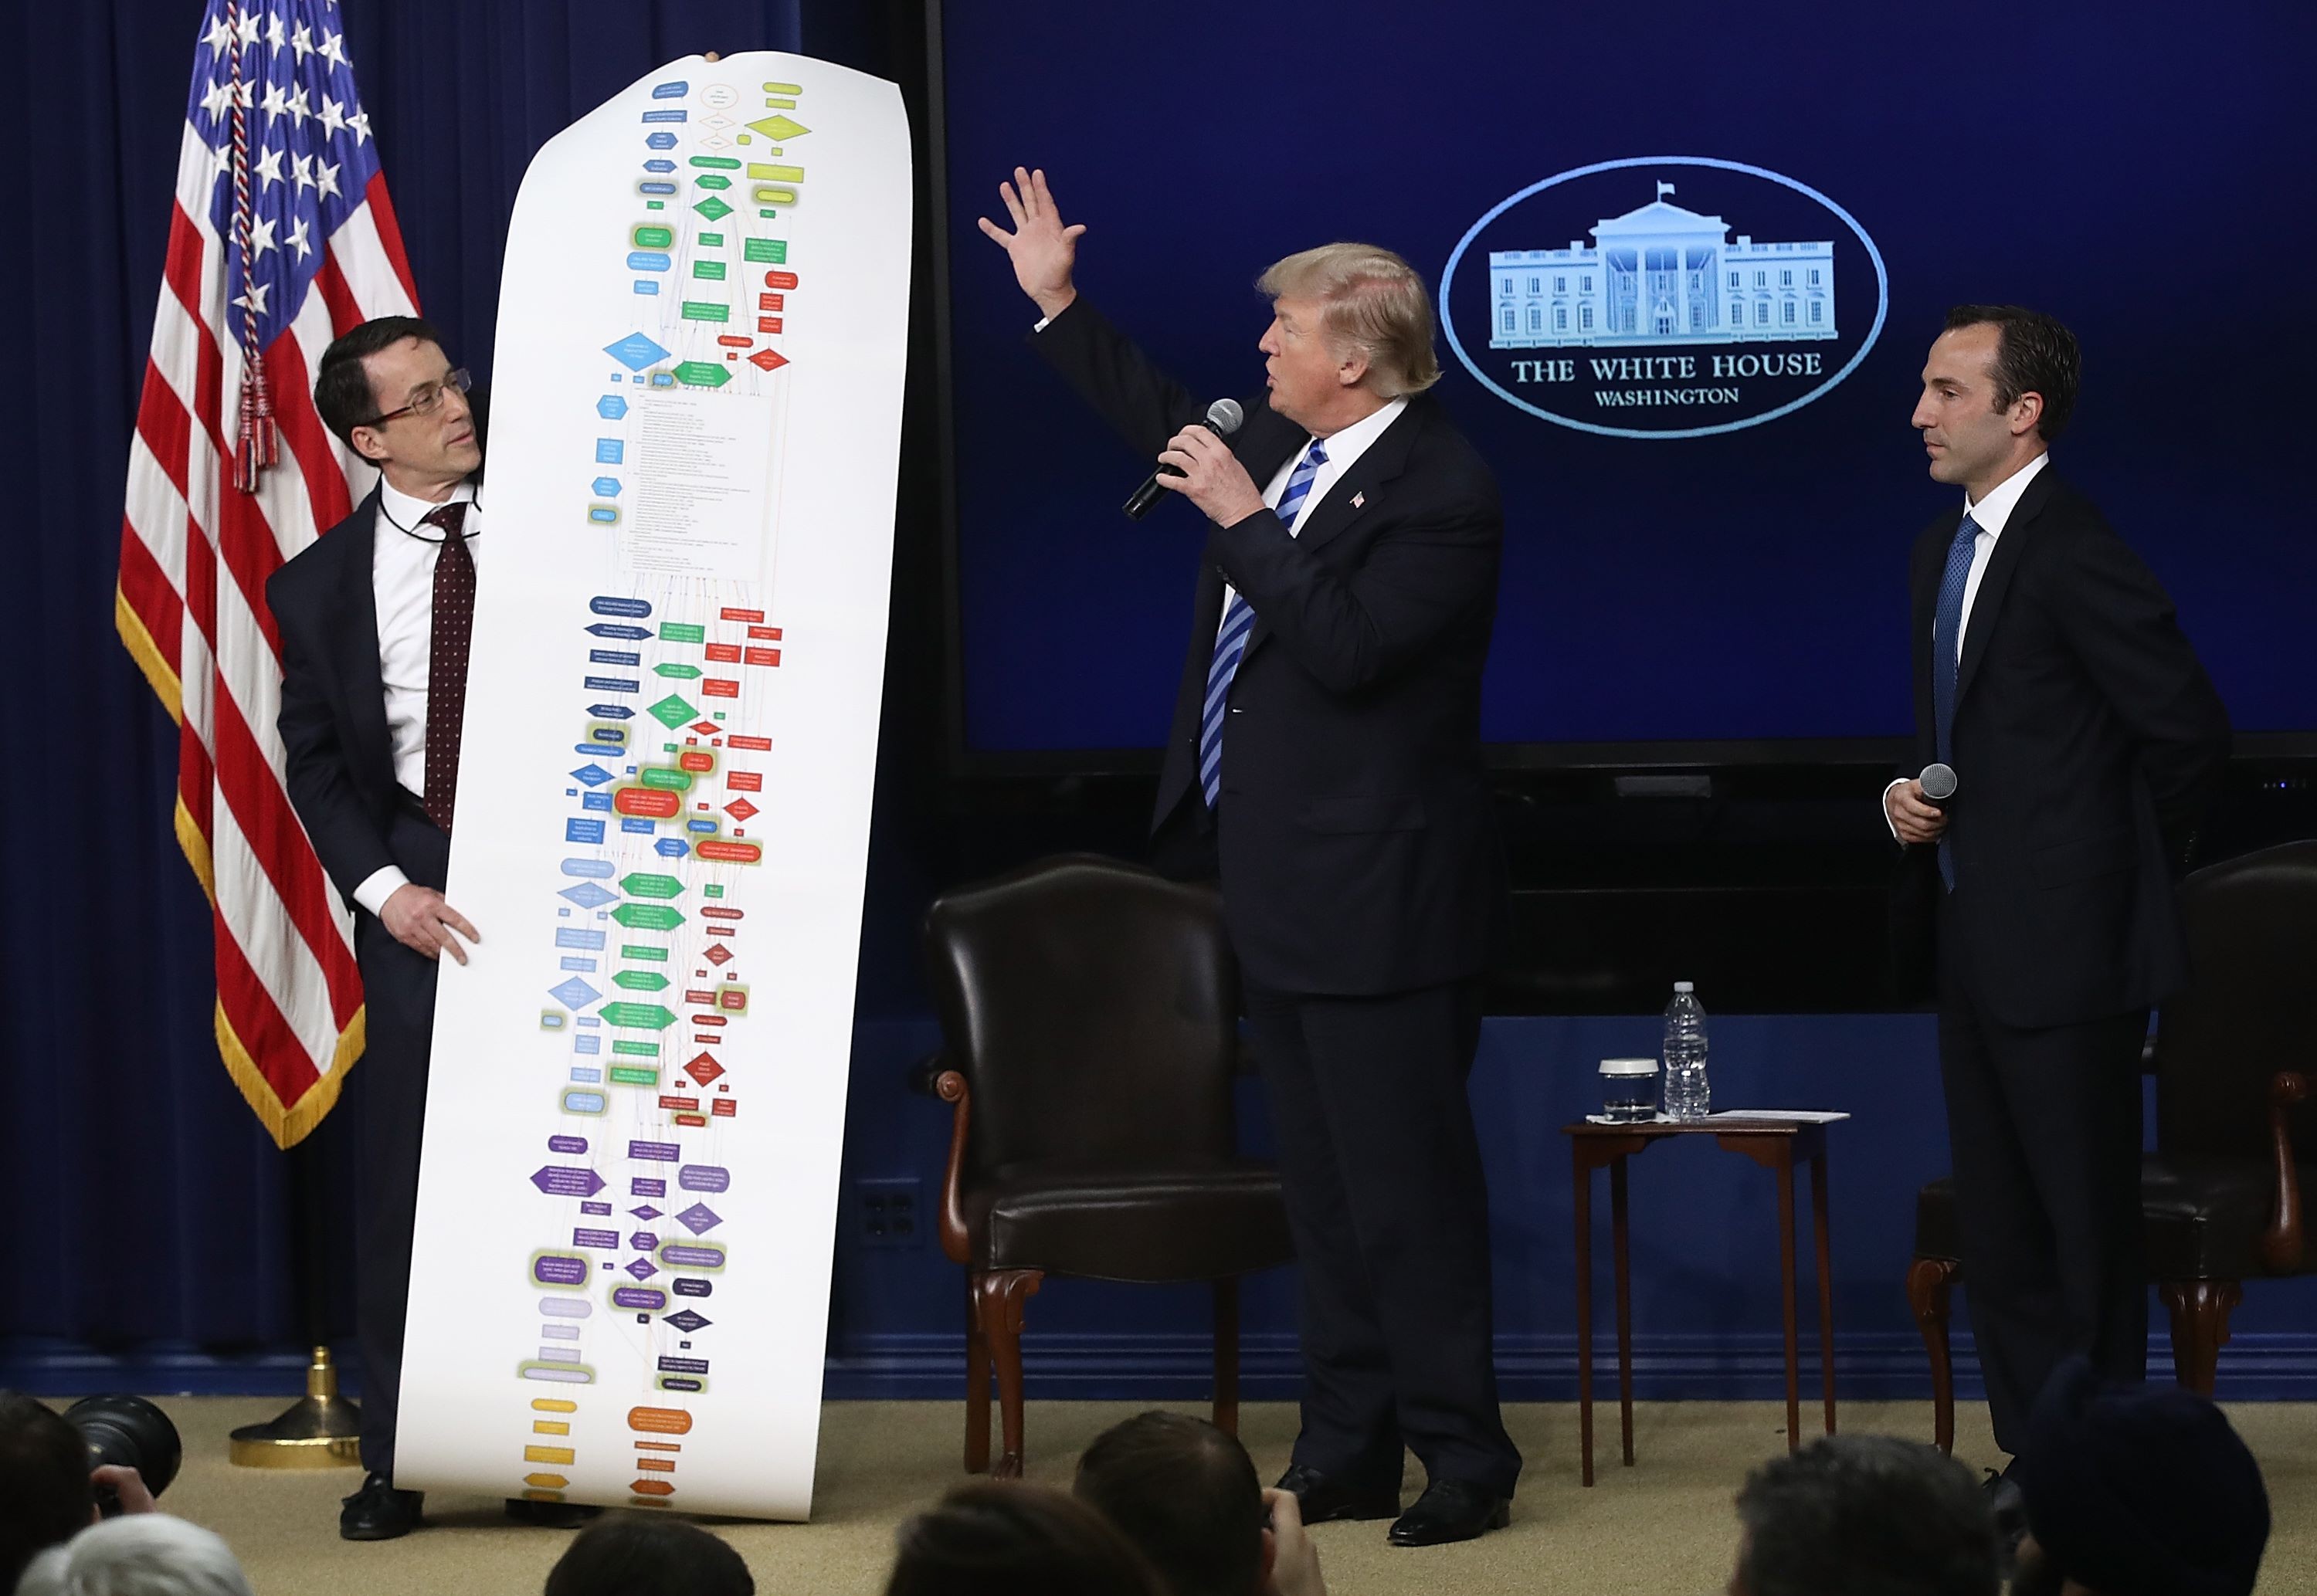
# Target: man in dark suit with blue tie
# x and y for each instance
(1324, 760)
(2050, 675)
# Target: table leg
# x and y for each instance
(1787, 1297)
(1584, 1206)
(1618, 1242)
(1825, 1280)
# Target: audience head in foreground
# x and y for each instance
(1865, 1515)
(995, 1538)
(637, 1555)
(140, 1555)
(1187, 1494)
(43, 1481)
(2137, 1491)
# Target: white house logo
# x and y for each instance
(1671, 318)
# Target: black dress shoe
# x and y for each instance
(378, 1512)
(2010, 1509)
(549, 1515)
(1451, 1510)
(1325, 1499)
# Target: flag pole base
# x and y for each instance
(322, 1429)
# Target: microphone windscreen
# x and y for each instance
(1224, 416)
(1939, 782)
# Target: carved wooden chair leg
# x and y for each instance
(1930, 1283)
(2200, 1327)
(1226, 1355)
(977, 1381)
(1000, 1295)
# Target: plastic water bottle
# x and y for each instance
(1687, 1096)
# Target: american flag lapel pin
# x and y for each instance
(1359, 501)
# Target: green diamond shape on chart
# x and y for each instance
(672, 711)
(713, 208)
(639, 980)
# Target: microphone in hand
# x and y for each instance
(1222, 419)
(1938, 784)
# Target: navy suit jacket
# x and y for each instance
(1358, 847)
(2087, 738)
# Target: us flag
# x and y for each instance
(281, 238)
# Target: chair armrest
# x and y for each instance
(2281, 1245)
(950, 1086)
(924, 1075)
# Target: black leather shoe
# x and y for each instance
(1451, 1510)
(2010, 1509)
(1325, 1500)
(549, 1515)
(378, 1512)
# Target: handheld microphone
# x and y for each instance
(1938, 784)
(1224, 418)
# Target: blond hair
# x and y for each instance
(1371, 300)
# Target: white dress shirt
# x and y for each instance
(1990, 515)
(1343, 448)
(402, 576)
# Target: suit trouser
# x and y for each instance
(399, 994)
(2044, 1127)
(1385, 1199)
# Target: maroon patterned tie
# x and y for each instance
(446, 661)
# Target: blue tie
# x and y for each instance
(1230, 642)
(1946, 648)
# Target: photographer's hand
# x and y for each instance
(125, 1482)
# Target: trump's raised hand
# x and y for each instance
(1042, 250)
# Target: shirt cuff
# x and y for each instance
(1043, 323)
(1893, 824)
(379, 886)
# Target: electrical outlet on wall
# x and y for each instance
(890, 1213)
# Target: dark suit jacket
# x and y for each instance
(2087, 737)
(1357, 848)
(340, 757)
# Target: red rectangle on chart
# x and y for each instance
(768, 324)
(766, 634)
(695, 760)
(698, 997)
(761, 744)
(708, 1019)
(744, 780)
(780, 280)
(763, 657)
(718, 911)
(768, 301)
(716, 688)
(693, 1119)
(728, 614)
(733, 340)
(728, 652)
(723, 1107)
(690, 1105)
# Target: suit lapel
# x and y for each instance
(357, 642)
(1987, 603)
(1356, 493)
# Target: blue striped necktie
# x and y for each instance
(1230, 642)
(1946, 651)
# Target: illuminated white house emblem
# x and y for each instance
(1661, 274)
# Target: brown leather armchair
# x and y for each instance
(2236, 1142)
(1090, 1015)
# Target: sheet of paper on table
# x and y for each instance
(1798, 1116)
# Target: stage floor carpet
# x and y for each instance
(1662, 1528)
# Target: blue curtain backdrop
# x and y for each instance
(146, 1207)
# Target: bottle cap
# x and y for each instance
(1629, 1066)
(1684, 986)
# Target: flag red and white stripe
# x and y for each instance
(281, 238)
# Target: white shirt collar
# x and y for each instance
(408, 511)
(1346, 444)
(1991, 513)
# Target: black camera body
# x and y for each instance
(131, 1433)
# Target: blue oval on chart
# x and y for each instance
(583, 1102)
(602, 514)
(594, 869)
(662, 379)
(1696, 296)
(661, 141)
(655, 185)
(648, 260)
(607, 605)
(659, 166)
(676, 89)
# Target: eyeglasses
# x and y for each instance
(425, 399)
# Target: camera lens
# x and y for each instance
(131, 1431)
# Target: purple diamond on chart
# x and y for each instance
(643, 1269)
(591, 775)
(587, 895)
(645, 1211)
(688, 1322)
(635, 351)
(700, 1219)
(574, 994)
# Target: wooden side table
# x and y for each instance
(1774, 1143)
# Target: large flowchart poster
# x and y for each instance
(638, 1091)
